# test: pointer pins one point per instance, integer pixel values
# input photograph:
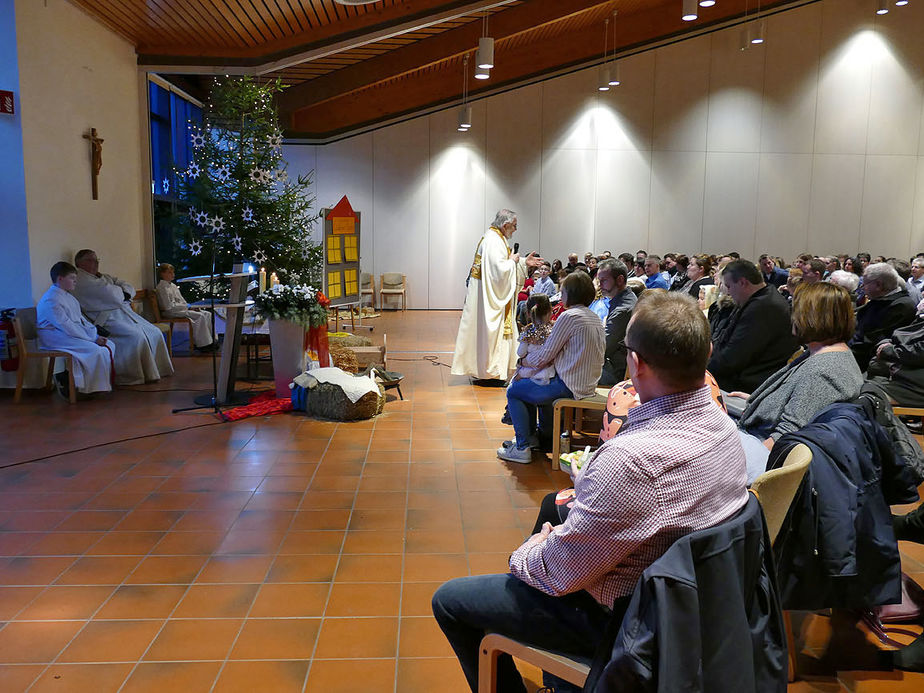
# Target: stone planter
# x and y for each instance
(287, 342)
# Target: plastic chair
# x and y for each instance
(24, 324)
(366, 288)
(393, 284)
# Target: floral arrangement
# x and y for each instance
(301, 304)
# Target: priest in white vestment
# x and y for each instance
(486, 346)
(173, 305)
(61, 327)
(141, 352)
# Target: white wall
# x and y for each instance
(76, 74)
(814, 141)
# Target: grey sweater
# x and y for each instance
(791, 397)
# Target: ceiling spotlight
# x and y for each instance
(757, 36)
(744, 41)
(614, 75)
(604, 83)
(482, 73)
(465, 118)
(689, 10)
(901, 3)
(883, 7)
(706, 3)
(484, 58)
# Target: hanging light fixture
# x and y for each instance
(465, 111)
(706, 3)
(482, 73)
(613, 80)
(744, 41)
(757, 34)
(603, 83)
(689, 11)
(883, 7)
(484, 57)
(901, 3)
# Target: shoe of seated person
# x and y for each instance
(62, 385)
(514, 454)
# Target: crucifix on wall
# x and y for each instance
(96, 158)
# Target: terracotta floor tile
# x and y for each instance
(179, 570)
(448, 517)
(268, 677)
(376, 519)
(65, 603)
(206, 520)
(91, 520)
(159, 677)
(434, 483)
(379, 484)
(300, 542)
(422, 637)
(340, 676)
(63, 544)
(235, 569)
(489, 563)
(18, 677)
(111, 641)
(328, 499)
(193, 640)
(142, 601)
(251, 541)
(488, 518)
(307, 518)
(125, 544)
(263, 520)
(416, 597)
(435, 541)
(424, 567)
(357, 637)
(369, 568)
(114, 501)
(188, 543)
(338, 465)
(15, 543)
(32, 571)
(274, 501)
(399, 469)
(305, 568)
(149, 520)
(366, 500)
(13, 599)
(371, 599)
(432, 674)
(286, 600)
(370, 541)
(429, 500)
(216, 601)
(35, 642)
(269, 638)
(76, 678)
(98, 570)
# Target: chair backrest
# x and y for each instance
(151, 297)
(365, 280)
(392, 280)
(777, 488)
(24, 324)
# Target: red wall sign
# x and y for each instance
(6, 102)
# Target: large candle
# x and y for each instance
(262, 279)
(274, 280)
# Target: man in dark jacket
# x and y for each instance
(612, 276)
(773, 275)
(888, 308)
(898, 365)
(758, 339)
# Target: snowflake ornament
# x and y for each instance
(223, 172)
(195, 247)
(256, 175)
(259, 257)
(217, 223)
(197, 140)
(236, 242)
(282, 175)
(165, 183)
(201, 219)
(248, 214)
(275, 141)
(193, 171)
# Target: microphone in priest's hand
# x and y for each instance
(516, 248)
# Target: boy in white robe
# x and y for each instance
(141, 355)
(61, 327)
(486, 345)
(173, 305)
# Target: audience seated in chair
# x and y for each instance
(757, 339)
(898, 366)
(612, 276)
(141, 353)
(61, 327)
(172, 305)
(677, 467)
(822, 319)
(888, 307)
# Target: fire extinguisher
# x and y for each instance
(9, 352)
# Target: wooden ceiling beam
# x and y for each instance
(420, 54)
(318, 42)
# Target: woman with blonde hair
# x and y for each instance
(825, 373)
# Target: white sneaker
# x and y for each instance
(514, 454)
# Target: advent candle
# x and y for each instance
(262, 279)
(274, 280)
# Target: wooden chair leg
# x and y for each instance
(170, 339)
(49, 374)
(72, 392)
(20, 378)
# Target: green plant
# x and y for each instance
(301, 304)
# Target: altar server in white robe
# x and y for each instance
(61, 327)
(173, 305)
(141, 353)
(486, 346)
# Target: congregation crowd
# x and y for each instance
(792, 346)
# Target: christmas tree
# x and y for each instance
(239, 191)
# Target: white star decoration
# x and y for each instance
(223, 172)
(236, 241)
(198, 140)
(275, 141)
(166, 185)
(217, 223)
(248, 214)
(201, 219)
(256, 175)
(195, 247)
(193, 171)
(259, 257)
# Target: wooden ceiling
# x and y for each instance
(351, 67)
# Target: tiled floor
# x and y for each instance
(274, 554)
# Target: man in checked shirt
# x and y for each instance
(675, 467)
